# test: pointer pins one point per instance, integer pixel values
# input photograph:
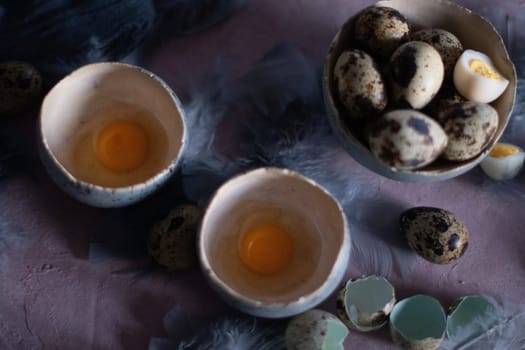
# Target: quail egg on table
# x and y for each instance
(417, 73)
(477, 78)
(360, 84)
(504, 162)
(20, 86)
(470, 126)
(435, 234)
(406, 139)
(380, 29)
(315, 330)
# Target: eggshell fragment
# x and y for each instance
(361, 87)
(365, 303)
(470, 126)
(417, 323)
(435, 234)
(406, 139)
(380, 29)
(417, 74)
(315, 330)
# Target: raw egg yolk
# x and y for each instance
(503, 150)
(481, 68)
(266, 249)
(122, 146)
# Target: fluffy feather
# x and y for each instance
(500, 329)
(226, 334)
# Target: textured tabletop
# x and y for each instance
(77, 277)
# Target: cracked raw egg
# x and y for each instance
(273, 243)
(104, 133)
(477, 79)
(504, 162)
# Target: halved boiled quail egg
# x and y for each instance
(504, 161)
(477, 78)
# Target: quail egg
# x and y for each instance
(446, 43)
(477, 78)
(504, 162)
(20, 86)
(380, 29)
(172, 241)
(315, 330)
(435, 234)
(406, 139)
(417, 73)
(360, 85)
(470, 126)
(446, 97)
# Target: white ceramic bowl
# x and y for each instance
(473, 31)
(73, 110)
(315, 221)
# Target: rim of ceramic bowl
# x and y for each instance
(287, 308)
(161, 175)
(357, 150)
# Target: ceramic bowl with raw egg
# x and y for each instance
(111, 134)
(273, 243)
(418, 90)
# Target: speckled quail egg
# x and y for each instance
(446, 43)
(380, 30)
(315, 330)
(435, 234)
(417, 73)
(20, 86)
(504, 162)
(365, 303)
(406, 139)
(446, 97)
(477, 78)
(172, 241)
(360, 85)
(470, 126)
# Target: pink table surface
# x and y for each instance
(54, 297)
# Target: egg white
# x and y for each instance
(84, 163)
(476, 87)
(503, 168)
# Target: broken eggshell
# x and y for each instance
(469, 319)
(435, 234)
(318, 231)
(422, 14)
(418, 323)
(315, 330)
(365, 303)
(172, 241)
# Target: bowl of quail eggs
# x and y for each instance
(418, 91)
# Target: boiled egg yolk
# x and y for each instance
(477, 79)
(266, 249)
(504, 162)
(122, 146)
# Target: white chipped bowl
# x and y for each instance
(315, 221)
(474, 32)
(92, 95)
